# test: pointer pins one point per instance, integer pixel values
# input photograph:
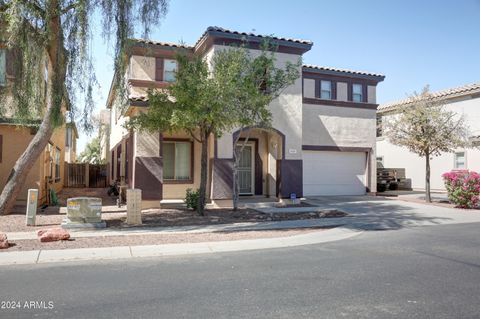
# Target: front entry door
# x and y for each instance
(246, 170)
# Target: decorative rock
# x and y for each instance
(53, 234)
(3, 241)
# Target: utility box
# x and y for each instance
(32, 206)
(134, 206)
(84, 212)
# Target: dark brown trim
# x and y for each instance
(341, 77)
(335, 148)
(192, 162)
(357, 105)
(159, 62)
(157, 84)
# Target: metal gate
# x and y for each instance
(86, 175)
(97, 176)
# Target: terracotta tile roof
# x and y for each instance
(325, 68)
(166, 44)
(439, 95)
(227, 31)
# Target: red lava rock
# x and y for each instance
(3, 241)
(53, 234)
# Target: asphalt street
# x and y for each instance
(422, 272)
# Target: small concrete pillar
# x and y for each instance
(32, 207)
(134, 206)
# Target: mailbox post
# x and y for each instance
(32, 207)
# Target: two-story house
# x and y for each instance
(322, 140)
(464, 101)
(48, 171)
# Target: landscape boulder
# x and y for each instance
(53, 234)
(3, 241)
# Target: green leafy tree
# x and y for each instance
(92, 152)
(55, 35)
(233, 93)
(425, 128)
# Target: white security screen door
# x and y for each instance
(245, 170)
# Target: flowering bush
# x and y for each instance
(463, 188)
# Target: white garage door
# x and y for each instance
(333, 173)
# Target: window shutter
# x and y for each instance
(1, 147)
(158, 69)
(10, 57)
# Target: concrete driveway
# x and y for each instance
(384, 213)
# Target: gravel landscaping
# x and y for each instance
(166, 217)
(151, 239)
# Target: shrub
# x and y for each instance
(381, 187)
(463, 188)
(393, 186)
(191, 198)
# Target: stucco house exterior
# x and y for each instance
(48, 171)
(322, 141)
(464, 100)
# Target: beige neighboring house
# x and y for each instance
(48, 170)
(464, 100)
(322, 141)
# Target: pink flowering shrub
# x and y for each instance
(463, 188)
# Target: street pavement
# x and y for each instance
(420, 272)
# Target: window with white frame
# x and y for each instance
(325, 90)
(357, 93)
(169, 70)
(459, 162)
(3, 67)
(177, 160)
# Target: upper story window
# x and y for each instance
(357, 93)
(459, 160)
(169, 70)
(325, 90)
(3, 67)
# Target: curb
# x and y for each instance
(131, 252)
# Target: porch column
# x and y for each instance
(148, 166)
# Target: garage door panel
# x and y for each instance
(334, 173)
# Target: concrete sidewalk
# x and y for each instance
(126, 252)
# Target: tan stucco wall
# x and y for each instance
(142, 67)
(15, 141)
(338, 126)
(286, 111)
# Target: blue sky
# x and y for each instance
(412, 43)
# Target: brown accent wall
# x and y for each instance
(291, 178)
(158, 69)
(149, 177)
(222, 187)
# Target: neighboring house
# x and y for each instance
(48, 170)
(71, 142)
(464, 100)
(322, 141)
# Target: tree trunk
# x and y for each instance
(203, 175)
(428, 197)
(55, 81)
